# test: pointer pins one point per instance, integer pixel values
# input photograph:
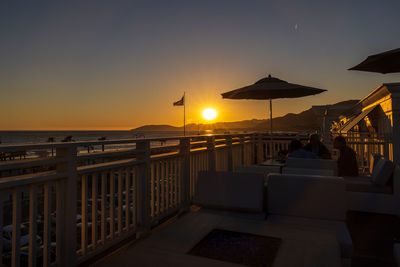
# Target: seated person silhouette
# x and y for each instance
(347, 162)
(296, 151)
(317, 147)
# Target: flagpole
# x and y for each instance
(184, 114)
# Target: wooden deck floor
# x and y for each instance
(372, 235)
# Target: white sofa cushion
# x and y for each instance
(382, 172)
(320, 197)
(230, 190)
(328, 164)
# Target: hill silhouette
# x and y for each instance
(307, 120)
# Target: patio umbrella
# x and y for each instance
(271, 88)
(386, 62)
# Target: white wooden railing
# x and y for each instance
(76, 205)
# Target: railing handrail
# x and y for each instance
(16, 147)
(27, 179)
(108, 165)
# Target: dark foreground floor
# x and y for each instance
(373, 236)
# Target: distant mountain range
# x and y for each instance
(307, 120)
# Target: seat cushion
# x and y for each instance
(364, 184)
(342, 233)
(320, 197)
(230, 191)
(382, 172)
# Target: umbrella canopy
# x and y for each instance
(386, 62)
(271, 88)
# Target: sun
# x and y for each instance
(209, 114)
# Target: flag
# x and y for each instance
(180, 102)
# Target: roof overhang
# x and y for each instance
(350, 125)
(380, 92)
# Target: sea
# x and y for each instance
(34, 137)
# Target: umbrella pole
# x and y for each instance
(270, 115)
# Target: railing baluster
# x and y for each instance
(103, 226)
(32, 225)
(172, 178)
(157, 180)
(172, 173)
(94, 210)
(176, 182)
(60, 223)
(16, 228)
(127, 199)
(195, 174)
(162, 176)
(84, 222)
(192, 160)
(152, 189)
(47, 225)
(166, 185)
(134, 193)
(119, 201)
(162, 186)
(179, 191)
(112, 191)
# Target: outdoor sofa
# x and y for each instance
(317, 201)
(378, 193)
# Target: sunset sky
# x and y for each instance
(87, 65)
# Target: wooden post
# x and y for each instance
(260, 149)
(212, 166)
(242, 150)
(16, 228)
(253, 149)
(143, 193)
(230, 152)
(184, 150)
(69, 166)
